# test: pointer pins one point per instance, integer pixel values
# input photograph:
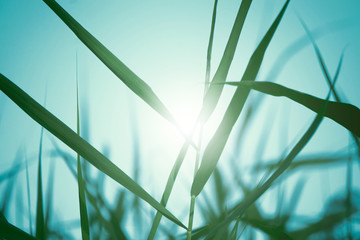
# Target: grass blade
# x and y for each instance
(217, 143)
(85, 232)
(40, 224)
(28, 194)
(128, 77)
(209, 50)
(168, 188)
(9, 231)
(345, 114)
(323, 225)
(79, 145)
(214, 91)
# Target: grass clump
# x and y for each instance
(235, 207)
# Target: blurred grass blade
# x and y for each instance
(129, 78)
(311, 162)
(10, 178)
(325, 224)
(14, 170)
(268, 227)
(85, 232)
(79, 145)
(345, 114)
(327, 75)
(28, 194)
(214, 91)
(40, 224)
(217, 143)
(49, 199)
(257, 192)
(9, 231)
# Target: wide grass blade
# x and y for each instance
(79, 145)
(347, 115)
(9, 231)
(217, 143)
(40, 223)
(85, 232)
(214, 91)
(128, 77)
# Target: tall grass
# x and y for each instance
(220, 202)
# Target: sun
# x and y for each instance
(185, 115)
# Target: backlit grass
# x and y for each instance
(231, 193)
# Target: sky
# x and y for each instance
(165, 43)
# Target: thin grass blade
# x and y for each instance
(217, 143)
(85, 232)
(209, 50)
(327, 75)
(79, 145)
(49, 199)
(28, 194)
(347, 115)
(168, 188)
(40, 222)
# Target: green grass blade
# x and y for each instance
(214, 91)
(28, 194)
(9, 231)
(128, 77)
(168, 188)
(217, 143)
(40, 224)
(49, 199)
(14, 170)
(79, 145)
(209, 50)
(10, 186)
(347, 115)
(322, 62)
(85, 232)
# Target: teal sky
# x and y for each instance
(165, 43)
